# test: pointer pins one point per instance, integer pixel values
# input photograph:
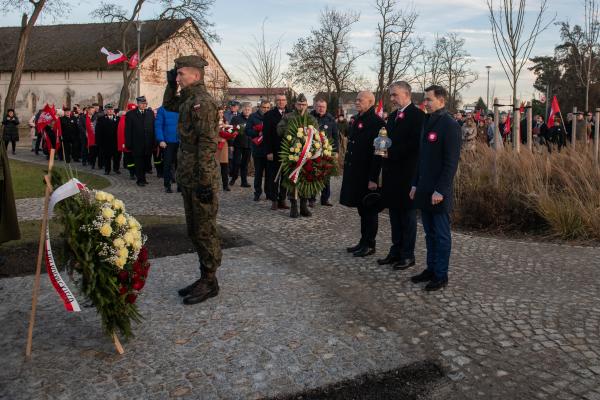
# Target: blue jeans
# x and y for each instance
(439, 242)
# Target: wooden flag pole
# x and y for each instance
(38, 268)
(117, 343)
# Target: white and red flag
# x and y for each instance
(113, 58)
(554, 109)
(47, 116)
(380, 109)
(134, 60)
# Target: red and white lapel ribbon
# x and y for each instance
(310, 134)
(71, 188)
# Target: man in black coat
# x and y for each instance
(241, 147)
(361, 171)
(140, 138)
(70, 134)
(254, 130)
(433, 185)
(272, 143)
(106, 138)
(404, 128)
(327, 124)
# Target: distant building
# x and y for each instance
(64, 66)
(255, 95)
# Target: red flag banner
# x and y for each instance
(113, 58)
(133, 61)
(91, 135)
(554, 109)
(522, 108)
(507, 125)
(380, 109)
(46, 117)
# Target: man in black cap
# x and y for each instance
(197, 169)
(106, 138)
(234, 111)
(70, 134)
(140, 137)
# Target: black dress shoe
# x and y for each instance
(326, 204)
(354, 248)
(424, 276)
(404, 264)
(168, 190)
(256, 197)
(245, 185)
(188, 289)
(363, 252)
(436, 285)
(141, 184)
(388, 260)
(117, 172)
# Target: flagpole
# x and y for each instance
(138, 24)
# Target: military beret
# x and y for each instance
(141, 99)
(301, 98)
(190, 61)
(109, 107)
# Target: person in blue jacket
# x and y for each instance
(254, 128)
(168, 140)
(432, 187)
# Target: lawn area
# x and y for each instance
(28, 179)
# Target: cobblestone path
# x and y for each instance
(518, 321)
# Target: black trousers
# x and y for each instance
(142, 164)
(13, 142)
(158, 158)
(129, 162)
(276, 192)
(241, 158)
(93, 156)
(38, 142)
(369, 223)
(404, 232)
(68, 150)
(260, 169)
(170, 163)
(84, 149)
(111, 158)
(225, 175)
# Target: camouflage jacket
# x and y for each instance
(197, 127)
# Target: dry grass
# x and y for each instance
(556, 193)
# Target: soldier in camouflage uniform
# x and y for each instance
(197, 173)
(282, 127)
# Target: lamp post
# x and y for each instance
(138, 24)
(487, 97)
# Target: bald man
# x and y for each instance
(361, 171)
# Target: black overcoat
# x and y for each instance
(360, 163)
(139, 132)
(106, 133)
(438, 161)
(399, 168)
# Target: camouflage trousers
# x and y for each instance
(201, 220)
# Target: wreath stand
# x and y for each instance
(38, 267)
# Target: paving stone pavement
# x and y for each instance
(519, 320)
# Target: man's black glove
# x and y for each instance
(172, 77)
(204, 194)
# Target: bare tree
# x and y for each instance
(454, 70)
(31, 11)
(512, 44)
(325, 60)
(169, 10)
(583, 44)
(264, 62)
(396, 47)
(427, 66)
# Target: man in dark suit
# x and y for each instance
(361, 171)
(433, 185)
(404, 128)
(106, 138)
(272, 143)
(70, 135)
(140, 137)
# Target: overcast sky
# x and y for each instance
(237, 21)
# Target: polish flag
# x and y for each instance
(554, 109)
(113, 58)
(380, 109)
(134, 60)
(507, 125)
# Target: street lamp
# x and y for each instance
(487, 97)
(138, 24)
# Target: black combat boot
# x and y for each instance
(294, 209)
(304, 211)
(188, 289)
(206, 288)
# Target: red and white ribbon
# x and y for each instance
(65, 191)
(310, 133)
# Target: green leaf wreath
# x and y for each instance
(319, 165)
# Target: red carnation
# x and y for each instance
(123, 276)
(122, 290)
(143, 256)
(138, 267)
(318, 159)
(258, 128)
(138, 285)
(131, 298)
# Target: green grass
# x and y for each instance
(30, 230)
(27, 179)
